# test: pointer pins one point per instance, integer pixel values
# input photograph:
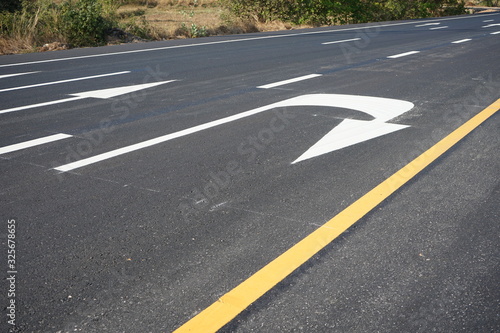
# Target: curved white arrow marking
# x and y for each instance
(350, 132)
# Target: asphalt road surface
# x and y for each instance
(141, 183)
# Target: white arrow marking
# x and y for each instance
(102, 93)
(350, 132)
(16, 74)
(63, 81)
(380, 108)
(113, 92)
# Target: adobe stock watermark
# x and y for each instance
(120, 109)
(204, 196)
(364, 39)
(11, 306)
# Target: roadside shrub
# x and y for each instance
(80, 23)
(317, 12)
(259, 10)
(327, 12)
(454, 8)
(138, 27)
(193, 31)
(83, 22)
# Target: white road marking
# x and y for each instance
(427, 24)
(350, 131)
(113, 92)
(341, 41)
(380, 108)
(282, 83)
(461, 41)
(32, 143)
(491, 25)
(495, 33)
(102, 93)
(32, 106)
(16, 74)
(403, 54)
(436, 28)
(63, 81)
(488, 21)
(165, 138)
(231, 41)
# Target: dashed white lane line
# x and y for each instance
(426, 25)
(16, 74)
(282, 83)
(403, 54)
(491, 25)
(32, 143)
(341, 41)
(436, 28)
(63, 81)
(461, 41)
(495, 33)
(485, 21)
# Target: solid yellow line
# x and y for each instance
(234, 302)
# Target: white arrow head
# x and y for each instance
(349, 132)
(113, 92)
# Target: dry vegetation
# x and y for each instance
(167, 19)
(135, 21)
(42, 28)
